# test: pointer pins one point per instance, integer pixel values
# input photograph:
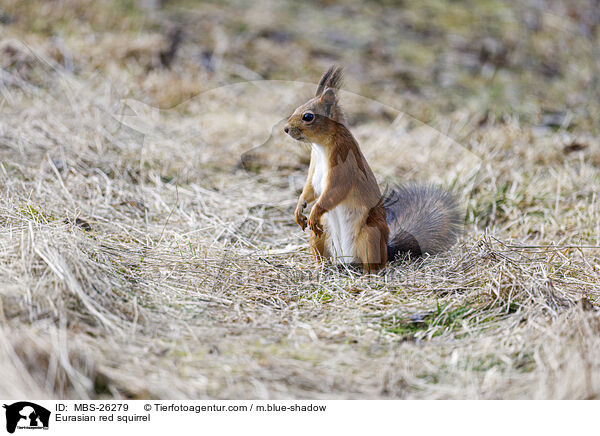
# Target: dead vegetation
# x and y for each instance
(150, 253)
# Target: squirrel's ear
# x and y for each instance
(328, 97)
(331, 79)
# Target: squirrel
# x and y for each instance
(351, 222)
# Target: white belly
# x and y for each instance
(340, 225)
(321, 167)
(340, 222)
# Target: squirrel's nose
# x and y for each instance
(286, 129)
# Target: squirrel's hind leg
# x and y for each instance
(371, 248)
(318, 247)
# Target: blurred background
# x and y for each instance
(536, 60)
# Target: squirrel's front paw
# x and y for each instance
(314, 223)
(300, 217)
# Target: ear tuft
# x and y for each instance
(331, 79)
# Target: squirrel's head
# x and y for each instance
(317, 119)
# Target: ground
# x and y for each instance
(148, 247)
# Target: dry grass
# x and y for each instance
(139, 259)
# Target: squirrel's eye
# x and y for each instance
(308, 117)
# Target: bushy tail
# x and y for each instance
(422, 219)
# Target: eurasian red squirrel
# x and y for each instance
(351, 222)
